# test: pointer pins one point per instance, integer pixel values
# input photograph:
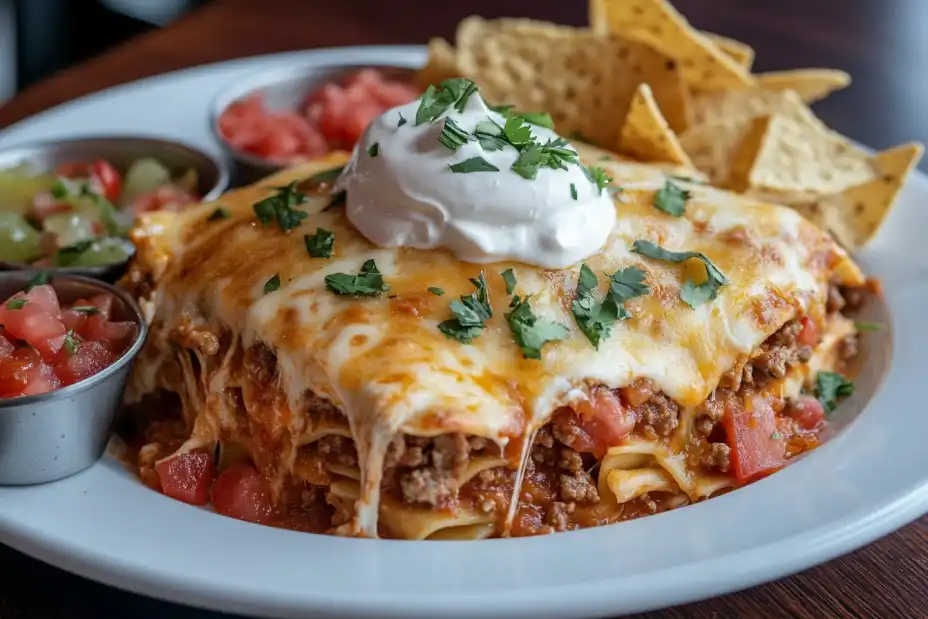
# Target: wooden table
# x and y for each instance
(886, 52)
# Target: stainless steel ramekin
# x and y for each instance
(53, 435)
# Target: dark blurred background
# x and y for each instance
(39, 37)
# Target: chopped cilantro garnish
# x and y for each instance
(320, 244)
(551, 154)
(272, 284)
(219, 213)
(541, 119)
(529, 331)
(67, 256)
(326, 176)
(869, 326)
(71, 343)
(573, 191)
(594, 318)
(373, 149)
(517, 131)
(402, 121)
(368, 282)
(598, 176)
(671, 198)
(489, 134)
(87, 310)
(39, 279)
(829, 386)
(60, 189)
(474, 164)
(280, 207)
(452, 136)
(470, 313)
(435, 101)
(436, 291)
(692, 294)
(16, 304)
(509, 277)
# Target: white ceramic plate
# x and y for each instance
(871, 478)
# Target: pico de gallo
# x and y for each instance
(79, 214)
(45, 346)
(331, 118)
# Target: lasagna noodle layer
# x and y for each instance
(385, 366)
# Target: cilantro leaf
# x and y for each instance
(692, 294)
(470, 313)
(279, 207)
(219, 213)
(60, 189)
(829, 386)
(517, 131)
(628, 283)
(452, 136)
(528, 162)
(573, 191)
(16, 304)
(272, 284)
(529, 331)
(435, 101)
(869, 326)
(373, 149)
(368, 282)
(474, 164)
(509, 277)
(320, 244)
(598, 176)
(71, 343)
(671, 198)
(402, 121)
(67, 256)
(39, 279)
(489, 135)
(594, 318)
(541, 119)
(87, 310)
(436, 290)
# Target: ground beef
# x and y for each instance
(708, 414)
(568, 433)
(261, 363)
(558, 515)
(544, 437)
(338, 449)
(578, 487)
(427, 485)
(717, 456)
(494, 478)
(835, 302)
(202, 340)
(853, 298)
(570, 460)
(847, 347)
(658, 416)
(779, 351)
(450, 452)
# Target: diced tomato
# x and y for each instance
(637, 393)
(36, 321)
(45, 204)
(357, 118)
(114, 336)
(108, 178)
(809, 334)
(164, 198)
(242, 492)
(187, 477)
(596, 424)
(24, 373)
(807, 411)
(87, 359)
(756, 448)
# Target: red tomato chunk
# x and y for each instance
(757, 450)
(44, 346)
(333, 117)
(244, 493)
(187, 477)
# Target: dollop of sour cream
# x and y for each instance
(401, 191)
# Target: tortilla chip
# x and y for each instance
(855, 215)
(646, 135)
(585, 81)
(442, 64)
(801, 159)
(657, 24)
(741, 53)
(710, 107)
(811, 84)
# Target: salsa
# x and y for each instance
(331, 118)
(79, 214)
(44, 346)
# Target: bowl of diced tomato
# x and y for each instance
(277, 119)
(66, 345)
(68, 205)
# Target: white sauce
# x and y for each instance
(407, 196)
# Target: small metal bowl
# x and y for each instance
(57, 434)
(284, 89)
(121, 152)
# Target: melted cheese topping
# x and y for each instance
(386, 365)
